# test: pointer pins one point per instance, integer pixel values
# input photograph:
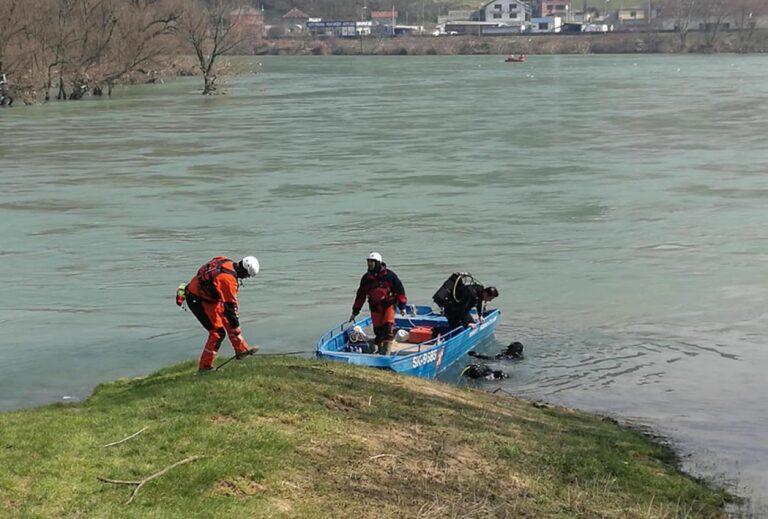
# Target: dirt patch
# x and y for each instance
(281, 505)
(345, 403)
(221, 419)
(238, 487)
(404, 455)
(457, 395)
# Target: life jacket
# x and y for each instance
(210, 271)
(380, 293)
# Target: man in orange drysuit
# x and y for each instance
(212, 298)
(384, 290)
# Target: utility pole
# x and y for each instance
(362, 27)
(649, 13)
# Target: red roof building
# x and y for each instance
(387, 17)
(295, 22)
(296, 14)
(560, 8)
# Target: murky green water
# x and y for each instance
(619, 203)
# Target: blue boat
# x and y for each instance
(427, 359)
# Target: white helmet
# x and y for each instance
(251, 265)
(375, 256)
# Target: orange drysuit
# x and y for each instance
(212, 298)
(384, 290)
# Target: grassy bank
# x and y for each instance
(290, 437)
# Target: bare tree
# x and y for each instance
(745, 14)
(12, 24)
(208, 29)
(77, 46)
(683, 13)
(62, 41)
(143, 39)
(713, 14)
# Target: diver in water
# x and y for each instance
(480, 370)
(513, 352)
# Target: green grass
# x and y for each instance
(301, 438)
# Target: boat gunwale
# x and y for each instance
(426, 346)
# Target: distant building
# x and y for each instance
(384, 17)
(506, 12)
(408, 30)
(295, 21)
(546, 24)
(561, 8)
(572, 28)
(248, 22)
(472, 28)
(596, 27)
(338, 28)
(384, 22)
(457, 15)
(631, 15)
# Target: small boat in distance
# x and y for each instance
(423, 357)
(520, 58)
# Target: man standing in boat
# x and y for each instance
(384, 291)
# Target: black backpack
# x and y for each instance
(453, 289)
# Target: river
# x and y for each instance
(619, 204)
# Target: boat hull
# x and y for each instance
(426, 360)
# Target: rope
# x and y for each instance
(233, 357)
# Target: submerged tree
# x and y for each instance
(78, 46)
(12, 25)
(144, 38)
(210, 28)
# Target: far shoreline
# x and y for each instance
(541, 44)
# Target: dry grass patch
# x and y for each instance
(345, 403)
(238, 487)
(222, 419)
(411, 470)
(283, 506)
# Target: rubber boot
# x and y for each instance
(384, 348)
(248, 351)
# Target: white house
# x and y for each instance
(546, 24)
(507, 12)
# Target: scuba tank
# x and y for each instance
(451, 290)
(181, 294)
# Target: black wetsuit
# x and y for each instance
(458, 312)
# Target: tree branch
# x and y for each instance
(126, 438)
(141, 483)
